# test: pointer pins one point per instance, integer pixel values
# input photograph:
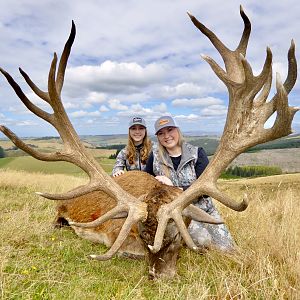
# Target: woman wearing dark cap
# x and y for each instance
(174, 162)
(135, 154)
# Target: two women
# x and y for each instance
(177, 163)
(135, 154)
(173, 162)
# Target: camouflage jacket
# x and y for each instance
(204, 235)
(123, 163)
(185, 174)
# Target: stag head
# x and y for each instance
(160, 225)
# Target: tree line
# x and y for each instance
(251, 171)
(2, 153)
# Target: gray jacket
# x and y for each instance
(185, 174)
(204, 235)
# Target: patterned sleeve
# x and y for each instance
(120, 163)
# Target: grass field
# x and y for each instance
(39, 262)
(51, 145)
(30, 164)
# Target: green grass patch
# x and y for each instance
(5, 161)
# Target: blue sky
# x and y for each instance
(136, 58)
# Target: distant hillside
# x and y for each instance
(292, 141)
(287, 159)
(209, 143)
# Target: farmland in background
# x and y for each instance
(283, 153)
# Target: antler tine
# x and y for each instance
(43, 95)
(61, 69)
(285, 113)
(36, 154)
(79, 191)
(109, 215)
(64, 59)
(244, 126)
(199, 215)
(292, 69)
(231, 58)
(133, 217)
(33, 108)
(213, 38)
(242, 47)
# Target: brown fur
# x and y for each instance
(162, 263)
(89, 207)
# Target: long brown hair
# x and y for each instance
(145, 151)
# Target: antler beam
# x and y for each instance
(73, 150)
(244, 127)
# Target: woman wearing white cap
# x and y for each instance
(135, 154)
(174, 162)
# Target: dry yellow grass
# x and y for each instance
(38, 262)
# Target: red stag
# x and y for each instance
(156, 214)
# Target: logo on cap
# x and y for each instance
(135, 120)
(163, 122)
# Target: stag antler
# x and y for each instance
(244, 126)
(73, 150)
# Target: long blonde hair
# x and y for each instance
(145, 151)
(163, 153)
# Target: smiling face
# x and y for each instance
(137, 133)
(169, 138)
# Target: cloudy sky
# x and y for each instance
(135, 57)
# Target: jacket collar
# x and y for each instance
(186, 156)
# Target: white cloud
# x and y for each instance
(138, 61)
(83, 113)
(214, 110)
(185, 89)
(112, 76)
(190, 117)
(95, 97)
(103, 108)
(26, 123)
(70, 105)
(196, 102)
(138, 109)
(162, 107)
(116, 105)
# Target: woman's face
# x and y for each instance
(137, 133)
(168, 137)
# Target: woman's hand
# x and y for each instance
(118, 173)
(164, 180)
